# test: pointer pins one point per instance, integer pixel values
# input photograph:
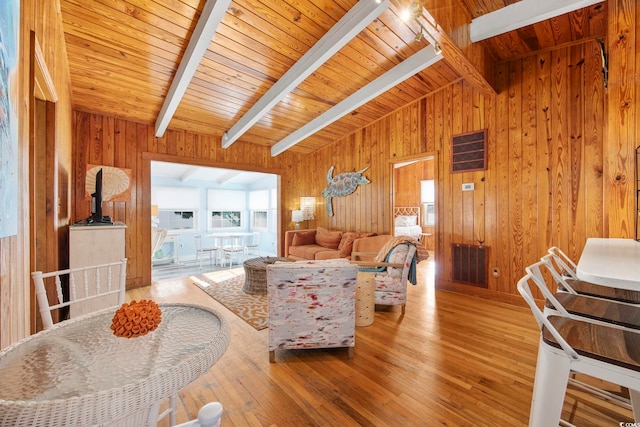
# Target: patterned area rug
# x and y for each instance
(226, 288)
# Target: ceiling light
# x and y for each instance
(415, 12)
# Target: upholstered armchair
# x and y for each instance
(311, 305)
(390, 276)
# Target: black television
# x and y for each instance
(96, 204)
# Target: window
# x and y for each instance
(177, 220)
(226, 219)
(429, 213)
(259, 220)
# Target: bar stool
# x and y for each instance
(564, 266)
(598, 310)
(565, 303)
(569, 344)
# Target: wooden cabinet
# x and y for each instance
(94, 245)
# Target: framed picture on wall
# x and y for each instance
(9, 33)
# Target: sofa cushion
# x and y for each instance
(346, 243)
(304, 238)
(328, 254)
(307, 251)
(327, 238)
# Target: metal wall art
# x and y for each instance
(342, 184)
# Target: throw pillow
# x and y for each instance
(327, 238)
(304, 238)
(346, 243)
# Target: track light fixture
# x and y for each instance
(414, 12)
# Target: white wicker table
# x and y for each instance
(79, 374)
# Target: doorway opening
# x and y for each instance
(414, 190)
(190, 200)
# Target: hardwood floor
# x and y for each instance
(452, 360)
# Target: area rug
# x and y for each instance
(226, 288)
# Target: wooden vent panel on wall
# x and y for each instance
(470, 264)
(469, 152)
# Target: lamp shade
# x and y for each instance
(308, 207)
(296, 216)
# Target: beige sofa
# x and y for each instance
(320, 243)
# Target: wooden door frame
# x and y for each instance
(430, 155)
(41, 200)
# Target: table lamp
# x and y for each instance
(296, 216)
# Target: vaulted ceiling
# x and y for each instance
(125, 54)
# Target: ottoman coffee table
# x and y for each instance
(255, 274)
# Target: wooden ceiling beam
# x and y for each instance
(188, 173)
(212, 14)
(351, 24)
(521, 14)
(407, 68)
(454, 54)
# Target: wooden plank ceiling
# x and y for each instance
(123, 55)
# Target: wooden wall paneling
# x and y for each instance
(489, 188)
(119, 160)
(108, 156)
(434, 128)
(81, 159)
(559, 147)
(443, 230)
(132, 147)
(544, 149)
(379, 166)
(445, 201)
(15, 251)
(458, 198)
(468, 197)
(367, 202)
(131, 220)
(592, 139)
(52, 196)
(514, 207)
(530, 188)
(500, 258)
(40, 186)
(577, 190)
(622, 106)
(141, 259)
(478, 121)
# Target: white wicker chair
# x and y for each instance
(95, 287)
(89, 288)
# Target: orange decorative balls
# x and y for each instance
(136, 318)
